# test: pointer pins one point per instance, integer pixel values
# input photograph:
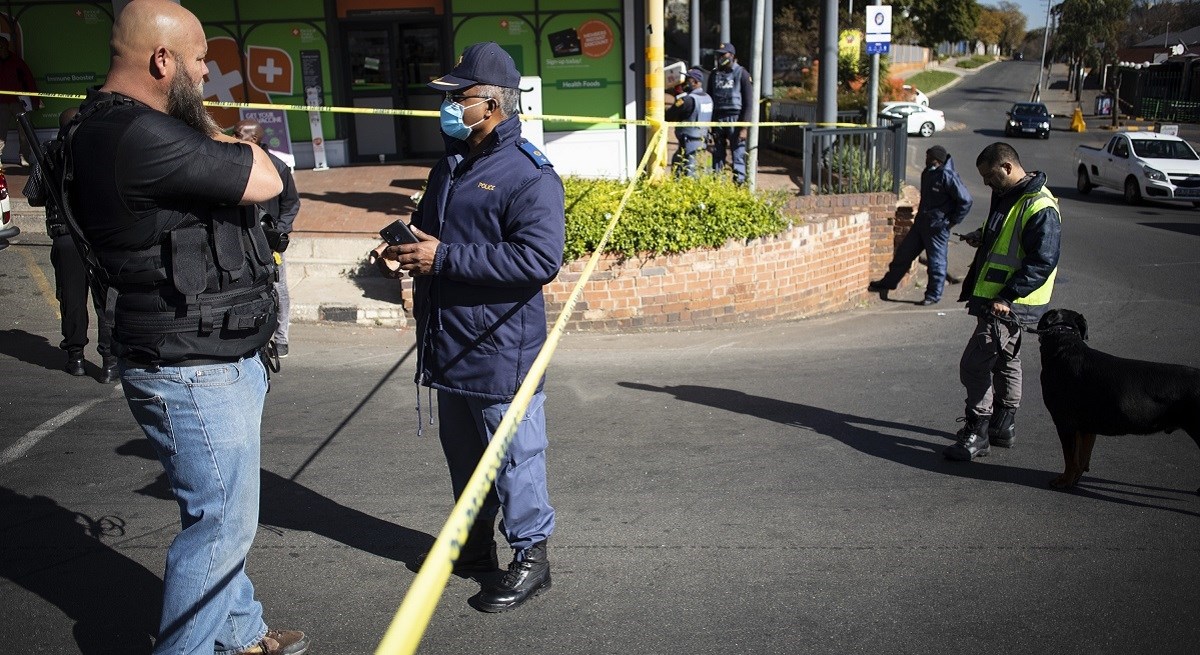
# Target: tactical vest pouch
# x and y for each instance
(188, 247)
(227, 237)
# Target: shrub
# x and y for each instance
(668, 216)
(850, 172)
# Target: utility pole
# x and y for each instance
(1037, 90)
(768, 70)
(724, 21)
(873, 87)
(756, 68)
(655, 112)
(827, 73)
(694, 32)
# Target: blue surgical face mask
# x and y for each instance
(452, 120)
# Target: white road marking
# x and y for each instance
(18, 449)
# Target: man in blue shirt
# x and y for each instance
(490, 227)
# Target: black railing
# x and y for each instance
(839, 159)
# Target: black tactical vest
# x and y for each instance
(205, 291)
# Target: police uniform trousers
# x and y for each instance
(729, 139)
(684, 161)
(71, 289)
(466, 427)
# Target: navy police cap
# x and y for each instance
(482, 63)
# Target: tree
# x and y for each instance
(1089, 30)
(1013, 32)
(990, 26)
(938, 21)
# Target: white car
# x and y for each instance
(7, 229)
(921, 120)
(914, 94)
(1141, 165)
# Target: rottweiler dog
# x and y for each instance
(1089, 393)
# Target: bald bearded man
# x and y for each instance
(162, 198)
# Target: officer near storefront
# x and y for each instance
(692, 105)
(733, 102)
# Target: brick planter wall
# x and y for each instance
(820, 266)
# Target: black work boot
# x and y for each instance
(74, 362)
(972, 439)
(478, 555)
(111, 373)
(1002, 429)
(528, 576)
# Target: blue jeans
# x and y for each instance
(204, 422)
(467, 426)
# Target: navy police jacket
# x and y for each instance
(480, 316)
(945, 201)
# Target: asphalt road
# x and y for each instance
(771, 488)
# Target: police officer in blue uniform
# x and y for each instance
(491, 228)
(733, 102)
(692, 105)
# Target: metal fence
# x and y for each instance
(839, 159)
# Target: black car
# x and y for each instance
(1028, 119)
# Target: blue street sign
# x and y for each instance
(879, 48)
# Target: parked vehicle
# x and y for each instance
(1028, 119)
(915, 95)
(921, 120)
(1141, 165)
(7, 229)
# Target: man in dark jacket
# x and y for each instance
(733, 102)
(1009, 286)
(491, 228)
(945, 202)
(278, 214)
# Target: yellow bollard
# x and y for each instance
(1077, 124)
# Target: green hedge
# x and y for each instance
(669, 216)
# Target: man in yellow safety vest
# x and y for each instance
(1009, 286)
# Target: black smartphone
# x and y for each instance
(398, 233)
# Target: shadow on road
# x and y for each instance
(289, 505)
(31, 349)
(58, 554)
(863, 434)
(1183, 228)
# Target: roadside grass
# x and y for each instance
(975, 62)
(931, 80)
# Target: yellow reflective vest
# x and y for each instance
(1006, 252)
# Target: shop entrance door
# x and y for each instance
(389, 65)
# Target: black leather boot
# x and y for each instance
(74, 362)
(1002, 429)
(528, 576)
(478, 555)
(111, 373)
(972, 439)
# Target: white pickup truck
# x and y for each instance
(1141, 165)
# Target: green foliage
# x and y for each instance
(975, 61)
(850, 172)
(668, 216)
(931, 80)
(944, 20)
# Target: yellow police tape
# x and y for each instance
(404, 634)
(427, 113)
